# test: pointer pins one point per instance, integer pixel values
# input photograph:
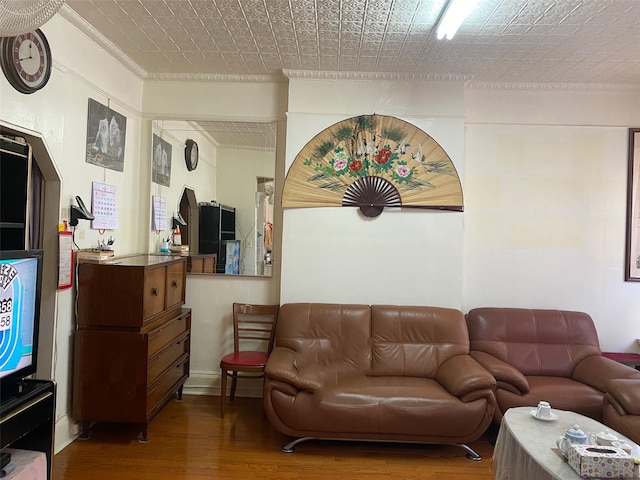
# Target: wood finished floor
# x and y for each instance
(188, 440)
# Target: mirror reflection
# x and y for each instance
(220, 199)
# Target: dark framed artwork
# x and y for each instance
(106, 132)
(161, 161)
(632, 264)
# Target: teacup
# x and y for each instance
(606, 438)
(623, 445)
(543, 410)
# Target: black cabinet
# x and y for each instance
(15, 159)
(217, 224)
(27, 419)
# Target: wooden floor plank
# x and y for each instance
(188, 440)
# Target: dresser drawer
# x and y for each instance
(166, 357)
(162, 336)
(175, 284)
(166, 386)
(154, 291)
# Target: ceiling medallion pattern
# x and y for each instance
(373, 161)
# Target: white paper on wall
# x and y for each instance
(103, 207)
(159, 221)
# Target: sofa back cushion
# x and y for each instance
(415, 341)
(536, 342)
(326, 334)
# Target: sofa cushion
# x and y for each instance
(332, 339)
(415, 341)
(383, 405)
(562, 393)
(535, 342)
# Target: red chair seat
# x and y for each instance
(246, 359)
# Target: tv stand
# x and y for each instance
(27, 418)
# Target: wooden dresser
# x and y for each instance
(201, 263)
(132, 344)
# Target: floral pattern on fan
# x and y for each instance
(373, 146)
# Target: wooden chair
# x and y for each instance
(255, 324)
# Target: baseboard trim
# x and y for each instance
(67, 430)
(207, 383)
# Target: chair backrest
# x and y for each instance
(535, 341)
(255, 323)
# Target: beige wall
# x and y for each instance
(543, 173)
(202, 180)
(545, 190)
(407, 257)
(58, 113)
(210, 297)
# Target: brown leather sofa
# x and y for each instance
(621, 410)
(388, 373)
(550, 355)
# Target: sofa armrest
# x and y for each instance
(507, 376)
(597, 370)
(624, 395)
(281, 366)
(462, 374)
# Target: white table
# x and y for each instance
(526, 447)
(29, 465)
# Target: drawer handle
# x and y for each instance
(154, 292)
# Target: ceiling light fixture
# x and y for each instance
(454, 14)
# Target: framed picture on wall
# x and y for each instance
(632, 264)
(232, 264)
(161, 161)
(106, 132)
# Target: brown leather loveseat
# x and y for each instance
(621, 410)
(550, 355)
(379, 372)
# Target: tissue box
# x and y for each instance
(595, 461)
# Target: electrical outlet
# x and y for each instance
(81, 234)
(65, 214)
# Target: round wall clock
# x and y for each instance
(191, 154)
(26, 61)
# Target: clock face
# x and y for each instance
(26, 61)
(191, 154)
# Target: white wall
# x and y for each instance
(401, 257)
(238, 170)
(545, 204)
(59, 113)
(543, 174)
(202, 180)
(210, 297)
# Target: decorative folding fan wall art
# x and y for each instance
(372, 162)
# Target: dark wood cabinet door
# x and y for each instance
(175, 285)
(154, 291)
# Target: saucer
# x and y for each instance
(552, 418)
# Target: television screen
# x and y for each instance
(20, 286)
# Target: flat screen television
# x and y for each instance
(20, 289)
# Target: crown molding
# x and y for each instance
(81, 24)
(560, 87)
(399, 76)
(253, 148)
(213, 77)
